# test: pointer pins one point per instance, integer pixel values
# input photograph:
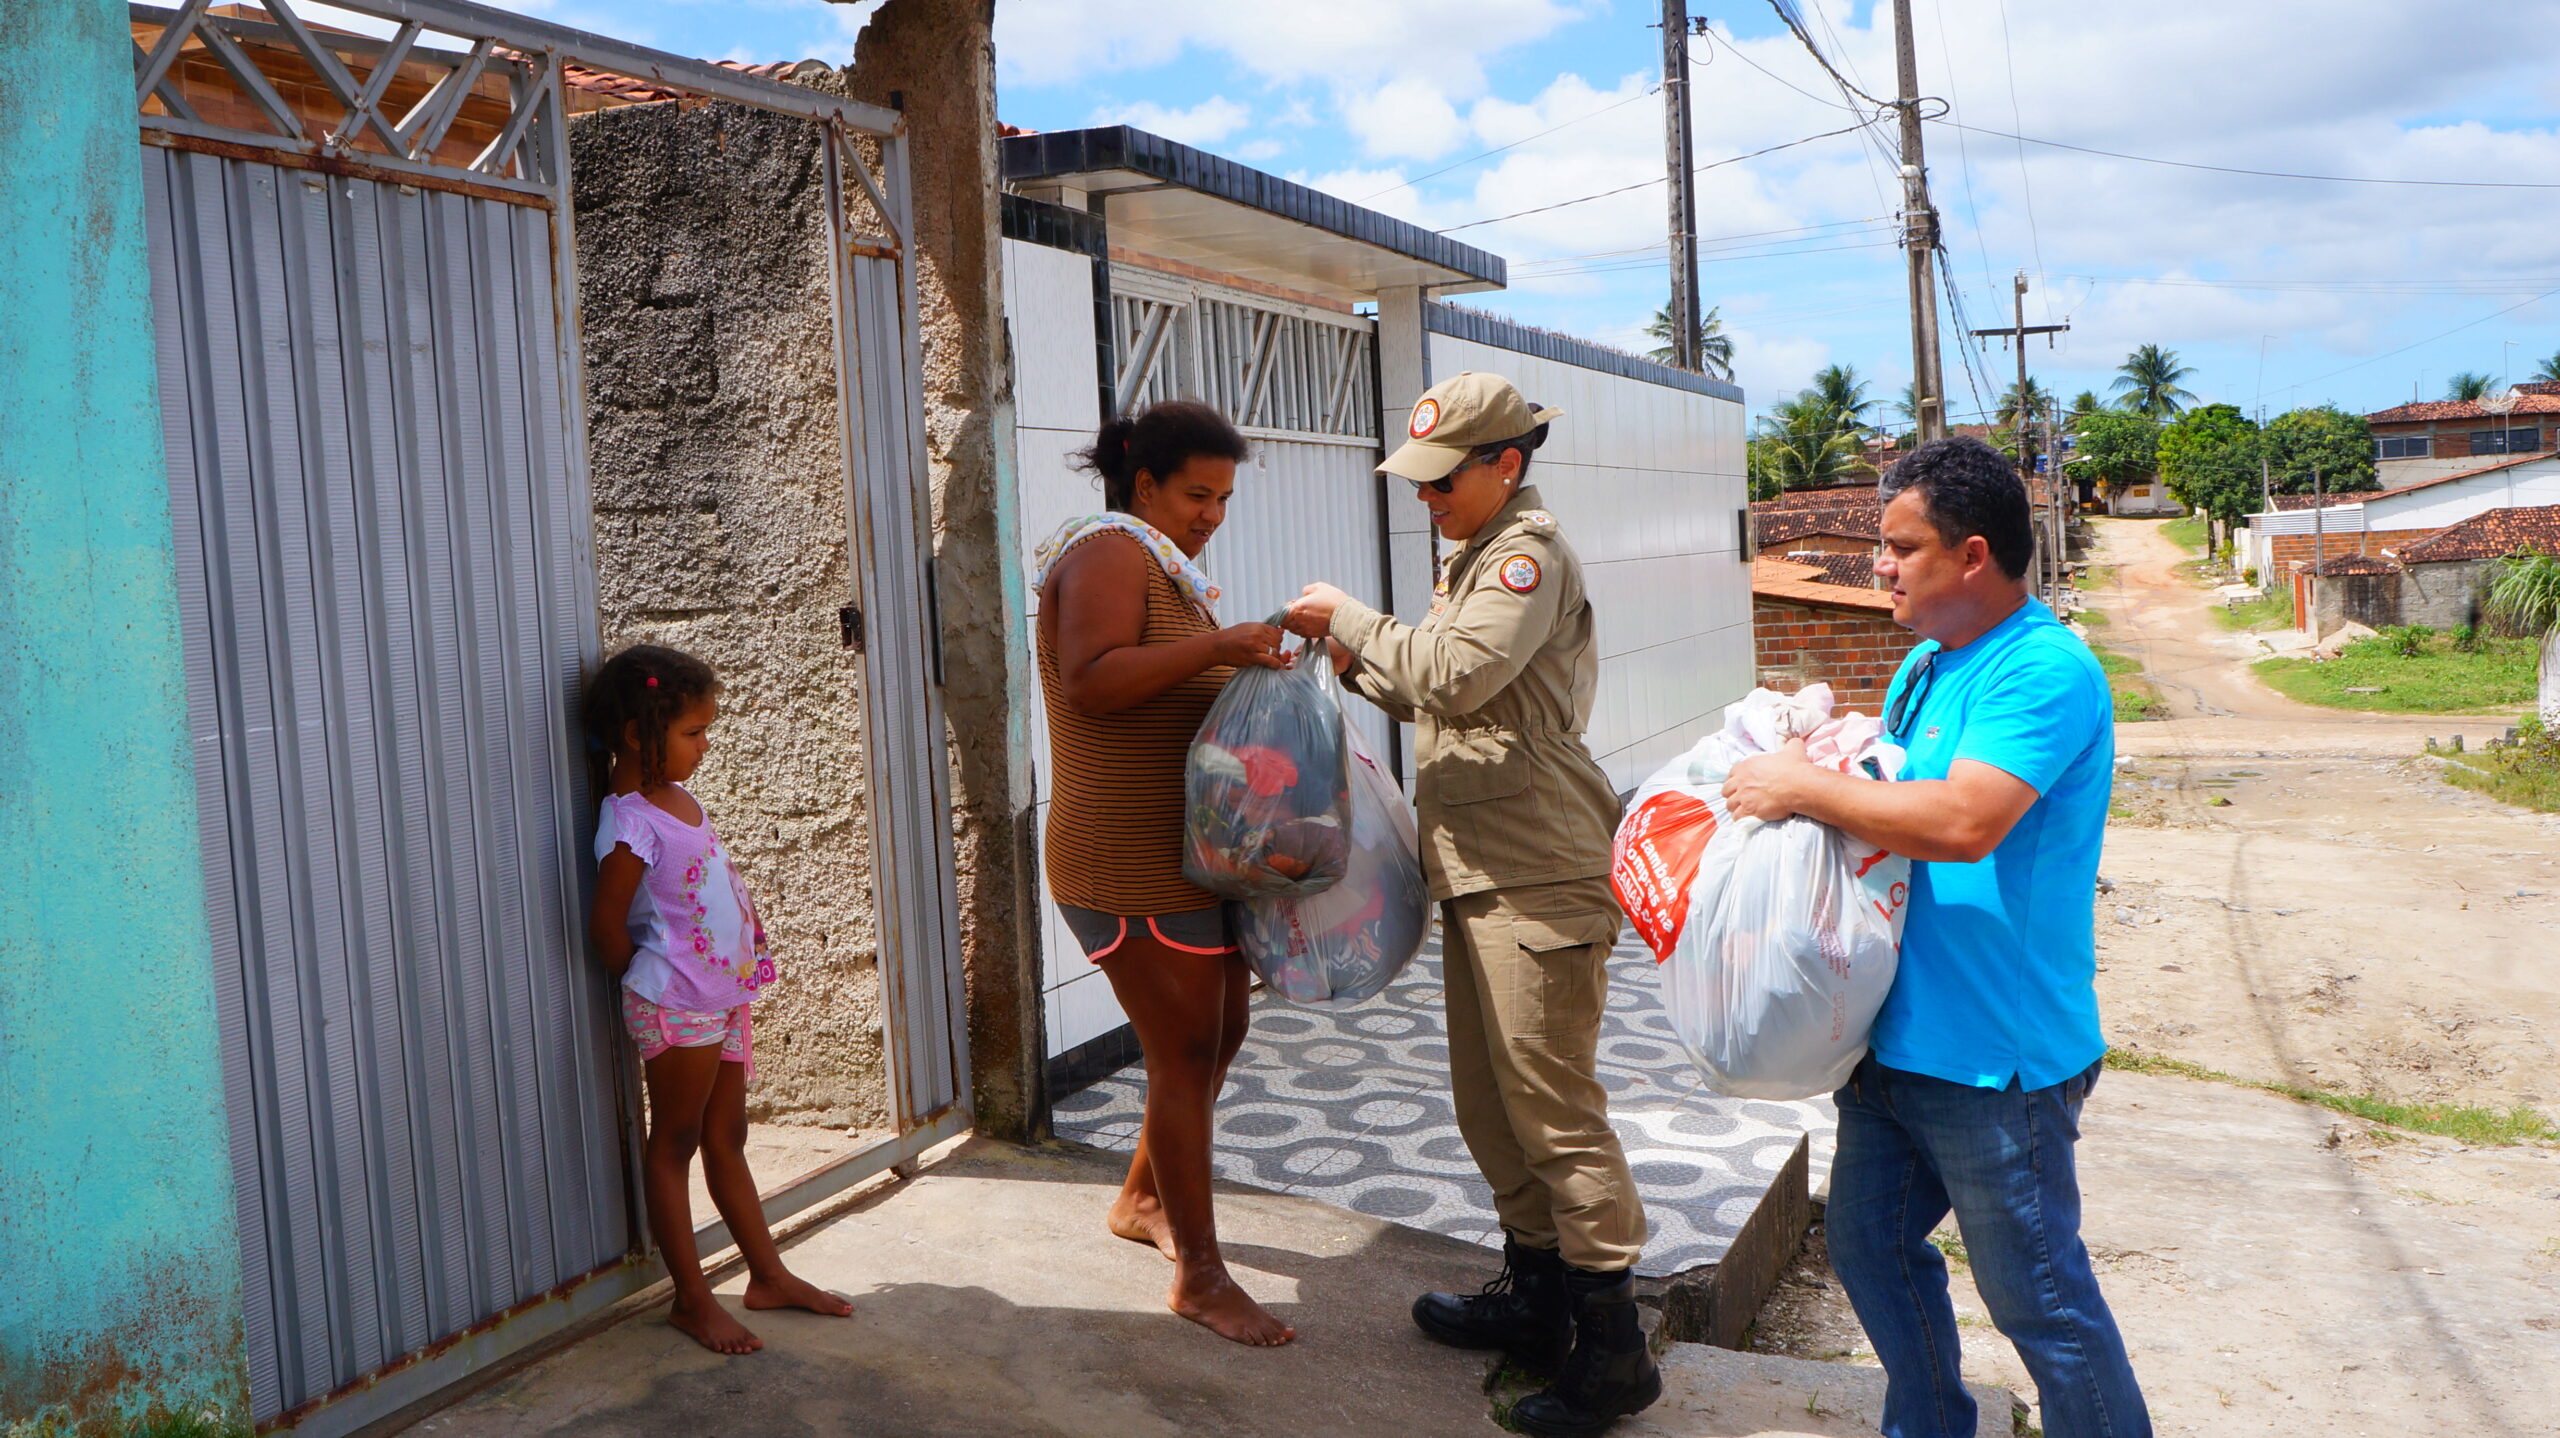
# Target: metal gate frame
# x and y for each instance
(887, 498)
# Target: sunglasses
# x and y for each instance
(1915, 692)
(1446, 483)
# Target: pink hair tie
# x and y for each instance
(653, 681)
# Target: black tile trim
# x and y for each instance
(1092, 1061)
(1041, 223)
(1485, 329)
(1120, 147)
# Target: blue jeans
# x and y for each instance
(1911, 1148)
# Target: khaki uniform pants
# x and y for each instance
(1527, 977)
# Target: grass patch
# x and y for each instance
(2188, 532)
(2136, 697)
(2438, 679)
(2525, 773)
(2466, 1124)
(2272, 610)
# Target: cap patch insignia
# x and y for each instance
(1426, 418)
(1538, 520)
(1519, 574)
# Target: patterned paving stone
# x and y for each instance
(1352, 1106)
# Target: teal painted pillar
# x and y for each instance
(119, 1255)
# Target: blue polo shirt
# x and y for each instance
(1998, 979)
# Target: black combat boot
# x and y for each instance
(1525, 1311)
(1610, 1373)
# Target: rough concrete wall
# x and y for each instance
(2441, 596)
(119, 1254)
(935, 61)
(720, 528)
(2372, 600)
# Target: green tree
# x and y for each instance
(2549, 370)
(1715, 347)
(2469, 385)
(2147, 383)
(2117, 448)
(2338, 446)
(2209, 456)
(1838, 389)
(2035, 405)
(1801, 445)
(2526, 595)
(2083, 405)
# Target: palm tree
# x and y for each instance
(2469, 386)
(1801, 444)
(1715, 347)
(2005, 422)
(2549, 370)
(2526, 595)
(2147, 383)
(1838, 389)
(2083, 404)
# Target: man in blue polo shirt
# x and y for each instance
(1969, 1097)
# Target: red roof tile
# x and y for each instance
(2355, 564)
(2530, 399)
(1794, 583)
(1856, 571)
(2289, 503)
(2490, 534)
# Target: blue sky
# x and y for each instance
(1389, 102)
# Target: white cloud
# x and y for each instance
(1206, 123)
(1405, 118)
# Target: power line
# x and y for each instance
(1641, 184)
(1787, 12)
(1709, 259)
(2262, 174)
(1657, 246)
(2412, 288)
(2027, 188)
(2431, 339)
(1516, 144)
(1964, 153)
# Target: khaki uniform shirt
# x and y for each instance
(1498, 684)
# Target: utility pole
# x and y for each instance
(1919, 239)
(1678, 156)
(2027, 417)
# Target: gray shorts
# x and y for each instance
(1194, 931)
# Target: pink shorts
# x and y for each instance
(657, 1030)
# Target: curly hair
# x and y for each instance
(646, 687)
(1969, 488)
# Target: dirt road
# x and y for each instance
(2297, 900)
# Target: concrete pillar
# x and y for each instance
(121, 1301)
(935, 61)
(1404, 372)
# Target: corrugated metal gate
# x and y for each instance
(370, 385)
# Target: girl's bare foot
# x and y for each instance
(710, 1325)
(1212, 1299)
(1141, 1220)
(793, 1291)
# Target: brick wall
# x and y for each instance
(2290, 547)
(1855, 652)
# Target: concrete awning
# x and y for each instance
(1177, 203)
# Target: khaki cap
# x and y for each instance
(1454, 418)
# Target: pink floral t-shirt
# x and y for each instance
(696, 943)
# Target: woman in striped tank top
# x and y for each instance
(1131, 656)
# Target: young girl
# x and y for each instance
(673, 919)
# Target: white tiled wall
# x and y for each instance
(1646, 480)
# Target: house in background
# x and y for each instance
(2298, 530)
(2428, 438)
(1820, 618)
(2443, 575)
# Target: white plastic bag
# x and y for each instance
(1349, 942)
(1778, 941)
(1267, 787)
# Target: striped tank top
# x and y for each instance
(1114, 841)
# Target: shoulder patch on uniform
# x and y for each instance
(1520, 574)
(1538, 521)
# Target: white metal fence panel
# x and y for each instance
(384, 588)
(1647, 480)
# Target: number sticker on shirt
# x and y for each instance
(1520, 574)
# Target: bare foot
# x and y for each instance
(711, 1326)
(1141, 1220)
(1214, 1301)
(793, 1291)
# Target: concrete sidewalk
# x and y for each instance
(989, 1300)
